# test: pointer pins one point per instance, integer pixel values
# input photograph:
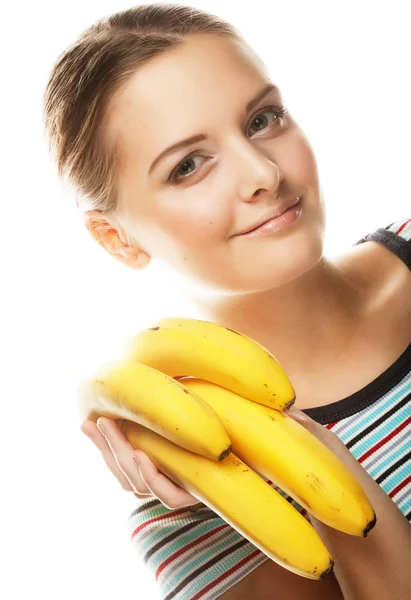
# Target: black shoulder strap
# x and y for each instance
(393, 241)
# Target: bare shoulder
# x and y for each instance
(270, 580)
(376, 268)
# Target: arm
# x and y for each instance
(377, 567)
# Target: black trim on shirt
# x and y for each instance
(366, 396)
(394, 242)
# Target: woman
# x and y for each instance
(146, 79)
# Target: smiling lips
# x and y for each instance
(278, 211)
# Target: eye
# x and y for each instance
(279, 113)
(181, 171)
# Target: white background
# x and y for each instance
(343, 69)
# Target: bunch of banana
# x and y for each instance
(219, 426)
(185, 439)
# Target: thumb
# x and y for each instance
(297, 414)
(324, 435)
(304, 420)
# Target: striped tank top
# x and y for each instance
(193, 553)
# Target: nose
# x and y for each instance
(258, 174)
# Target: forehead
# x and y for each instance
(170, 97)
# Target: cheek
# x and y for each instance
(300, 161)
(198, 221)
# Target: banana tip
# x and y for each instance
(327, 571)
(290, 404)
(369, 526)
(225, 453)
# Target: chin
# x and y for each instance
(275, 261)
(276, 267)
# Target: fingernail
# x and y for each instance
(100, 425)
(136, 459)
(297, 414)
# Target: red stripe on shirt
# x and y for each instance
(155, 519)
(385, 440)
(177, 553)
(400, 486)
(224, 575)
(402, 226)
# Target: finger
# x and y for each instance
(122, 453)
(296, 413)
(300, 416)
(169, 493)
(90, 429)
(322, 433)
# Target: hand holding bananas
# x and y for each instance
(206, 404)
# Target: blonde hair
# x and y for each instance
(88, 74)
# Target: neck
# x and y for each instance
(305, 324)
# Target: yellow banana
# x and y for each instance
(141, 394)
(243, 499)
(189, 347)
(279, 448)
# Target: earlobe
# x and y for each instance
(140, 260)
(132, 257)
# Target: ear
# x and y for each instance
(105, 233)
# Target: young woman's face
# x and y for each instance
(188, 208)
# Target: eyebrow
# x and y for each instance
(202, 136)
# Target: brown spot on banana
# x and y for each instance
(314, 482)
